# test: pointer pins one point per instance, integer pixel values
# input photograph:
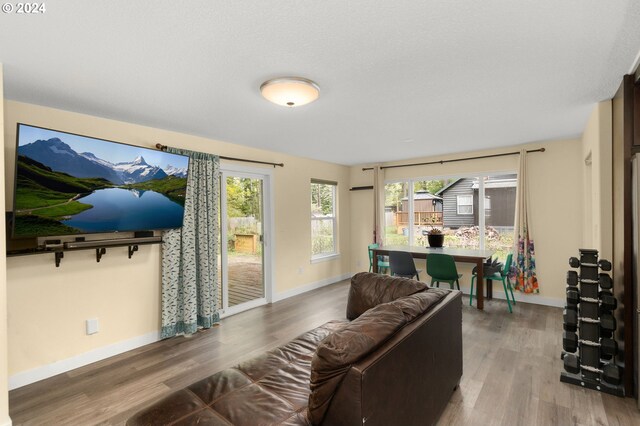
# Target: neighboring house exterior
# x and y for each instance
(460, 202)
(427, 210)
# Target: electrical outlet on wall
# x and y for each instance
(359, 263)
(92, 326)
(300, 269)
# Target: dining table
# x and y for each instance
(475, 256)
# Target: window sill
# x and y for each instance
(326, 258)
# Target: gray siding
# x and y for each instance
(503, 206)
(451, 217)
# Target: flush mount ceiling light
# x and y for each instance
(290, 91)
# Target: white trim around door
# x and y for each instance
(268, 227)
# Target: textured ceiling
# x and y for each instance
(399, 79)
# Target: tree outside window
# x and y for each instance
(323, 219)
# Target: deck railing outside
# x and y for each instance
(420, 218)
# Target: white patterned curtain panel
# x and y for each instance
(190, 254)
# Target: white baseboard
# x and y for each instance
(308, 287)
(534, 299)
(46, 371)
(27, 377)
(6, 422)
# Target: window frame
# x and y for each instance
(487, 206)
(334, 219)
(481, 175)
(458, 205)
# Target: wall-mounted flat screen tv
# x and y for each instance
(72, 184)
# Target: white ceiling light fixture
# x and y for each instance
(290, 91)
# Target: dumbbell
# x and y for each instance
(607, 322)
(611, 374)
(608, 302)
(571, 363)
(569, 341)
(606, 334)
(608, 348)
(573, 296)
(570, 318)
(574, 262)
(572, 278)
(605, 281)
(605, 265)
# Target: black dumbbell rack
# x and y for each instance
(588, 341)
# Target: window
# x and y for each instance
(396, 213)
(487, 207)
(474, 211)
(323, 219)
(465, 204)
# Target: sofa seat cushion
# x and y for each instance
(368, 290)
(344, 347)
(272, 388)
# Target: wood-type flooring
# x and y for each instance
(511, 368)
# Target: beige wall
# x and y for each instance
(556, 200)
(4, 394)
(597, 230)
(47, 306)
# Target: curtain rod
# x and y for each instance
(455, 160)
(164, 148)
(360, 188)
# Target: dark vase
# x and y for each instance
(435, 240)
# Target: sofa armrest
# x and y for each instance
(410, 378)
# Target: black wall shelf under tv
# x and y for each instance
(100, 246)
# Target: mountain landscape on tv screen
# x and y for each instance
(61, 191)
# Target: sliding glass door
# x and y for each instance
(243, 254)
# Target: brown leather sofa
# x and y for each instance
(396, 362)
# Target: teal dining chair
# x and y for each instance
(498, 276)
(383, 265)
(442, 268)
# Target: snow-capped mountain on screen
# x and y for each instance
(139, 171)
(175, 171)
(59, 156)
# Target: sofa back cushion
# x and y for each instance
(417, 304)
(368, 290)
(341, 349)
